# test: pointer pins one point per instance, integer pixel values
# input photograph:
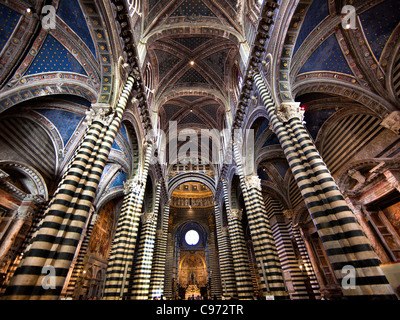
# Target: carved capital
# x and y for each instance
(133, 185)
(24, 212)
(253, 182)
(95, 218)
(28, 206)
(100, 112)
(392, 122)
(393, 177)
(148, 217)
(289, 110)
(289, 214)
(235, 214)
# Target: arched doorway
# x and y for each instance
(192, 270)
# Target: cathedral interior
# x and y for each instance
(198, 149)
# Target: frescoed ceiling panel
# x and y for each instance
(72, 14)
(378, 24)
(171, 110)
(217, 62)
(328, 57)
(152, 4)
(317, 12)
(119, 180)
(8, 21)
(193, 7)
(191, 118)
(166, 61)
(271, 141)
(54, 57)
(65, 122)
(316, 119)
(192, 76)
(192, 43)
(211, 110)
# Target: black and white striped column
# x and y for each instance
(77, 267)
(160, 256)
(42, 272)
(344, 241)
(269, 266)
(143, 268)
(225, 256)
(240, 257)
(295, 264)
(120, 263)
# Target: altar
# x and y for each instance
(192, 292)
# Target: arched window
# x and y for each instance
(134, 7)
(148, 80)
(237, 82)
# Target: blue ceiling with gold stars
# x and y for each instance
(217, 62)
(378, 24)
(379, 30)
(317, 12)
(193, 7)
(65, 122)
(8, 20)
(192, 76)
(191, 118)
(53, 56)
(192, 43)
(71, 12)
(327, 57)
(166, 61)
(152, 4)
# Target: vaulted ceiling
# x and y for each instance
(192, 46)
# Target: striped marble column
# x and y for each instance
(225, 256)
(42, 272)
(159, 260)
(308, 267)
(269, 266)
(240, 257)
(77, 267)
(283, 235)
(142, 273)
(119, 269)
(344, 241)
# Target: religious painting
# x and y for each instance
(100, 240)
(393, 215)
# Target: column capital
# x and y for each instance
(28, 206)
(101, 112)
(355, 206)
(392, 122)
(235, 214)
(289, 110)
(253, 182)
(34, 198)
(393, 177)
(289, 213)
(133, 185)
(24, 212)
(148, 217)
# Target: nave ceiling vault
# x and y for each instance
(194, 57)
